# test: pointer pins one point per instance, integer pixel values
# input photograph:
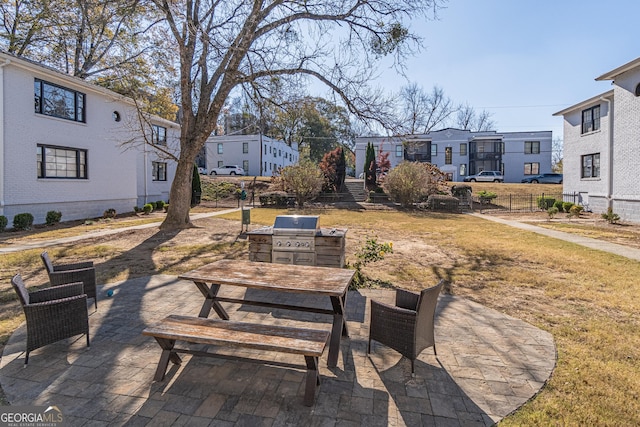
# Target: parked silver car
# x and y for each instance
(545, 178)
(228, 170)
(485, 176)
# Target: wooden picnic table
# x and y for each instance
(307, 280)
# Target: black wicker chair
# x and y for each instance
(406, 327)
(53, 314)
(62, 274)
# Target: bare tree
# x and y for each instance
(226, 44)
(556, 154)
(468, 119)
(422, 112)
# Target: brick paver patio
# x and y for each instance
(488, 365)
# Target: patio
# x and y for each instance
(488, 365)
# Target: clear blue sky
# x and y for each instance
(523, 60)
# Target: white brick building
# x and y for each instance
(601, 151)
(63, 147)
(459, 153)
(258, 155)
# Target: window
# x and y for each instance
(434, 150)
(275, 154)
(463, 169)
(532, 147)
(245, 166)
(57, 101)
(159, 135)
(245, 147)
(61, 162)
(399, 150)
(265, 149)
(159, 171)
(463, 149)
(265, 165)
(220, 163)
(591, 119)
(591, 166)
(531, 168)
(448, 154)
(279, 153)
(219, 147)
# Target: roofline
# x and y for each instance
(611, 75)
(607, 94)
(10, 59)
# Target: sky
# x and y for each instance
(523, 60)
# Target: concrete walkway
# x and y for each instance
(488, 365)
(588, 242)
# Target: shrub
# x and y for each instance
(53, 217)
(566, 206)
(159, 205)
(575, 210)
(411, 182)
(439, 202)
(147, 209)
(371, 251)
(136, 209)
(460, 190)
(545, 202)
(552, 211)
(304, 180)
(611, 217)
(196, 187)
(23, 221)
(3, 223)
(111, 213)
(558, 204)
(274, 199)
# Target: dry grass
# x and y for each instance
(587, 299)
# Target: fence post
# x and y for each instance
(530, 202)
(510, 207)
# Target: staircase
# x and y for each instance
(354, 191)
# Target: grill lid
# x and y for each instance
(296, 223)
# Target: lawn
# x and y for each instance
(587, 299)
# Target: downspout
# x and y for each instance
(2, 120)
(610, 145)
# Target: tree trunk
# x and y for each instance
(180, 197)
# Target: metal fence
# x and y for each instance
(523, 202)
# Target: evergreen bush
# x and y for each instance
(545, 202)
(53, 217)
(159, 205)
(558, 205)
(23, 221)
(3, 223)
(147, 209)
(566, 206)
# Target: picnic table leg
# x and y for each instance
(210, 300)
(167, 354)
(338, 329)
(313, 380)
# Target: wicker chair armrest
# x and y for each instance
(381, 311)
(407, 299)
(86, 275)
(55, 302)
(56, 293)
(74, 266)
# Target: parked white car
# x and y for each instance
(485, 176)
(202, 171)
(228, 170)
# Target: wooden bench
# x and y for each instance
(308, 342)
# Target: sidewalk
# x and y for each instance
(625, 251)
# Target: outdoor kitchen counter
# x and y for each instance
(329, 246)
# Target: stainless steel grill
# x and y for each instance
(294, 239)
